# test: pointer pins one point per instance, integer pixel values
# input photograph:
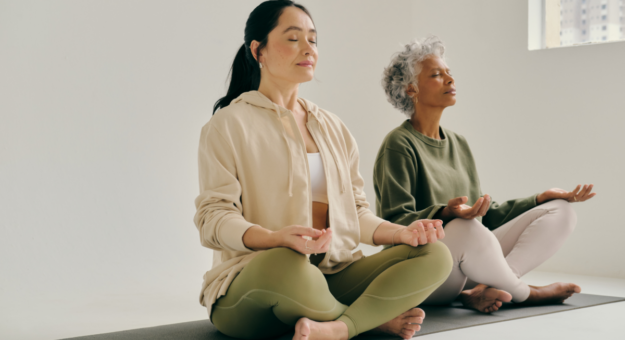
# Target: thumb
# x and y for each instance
(306, 231)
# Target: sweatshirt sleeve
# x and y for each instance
(367, 220)
(499, 214)
(395, 175)
(219, 216)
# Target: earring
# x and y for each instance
(260, 65)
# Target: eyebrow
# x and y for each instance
(440, 69)
(295, 28)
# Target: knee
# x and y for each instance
(438, 257)
(280, 264)
(468, 231)
(564, 210)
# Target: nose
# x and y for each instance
(308, 48)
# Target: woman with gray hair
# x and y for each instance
(426, 171)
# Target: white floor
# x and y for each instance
(48, 318)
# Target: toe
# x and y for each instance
(406, 333)
(418, 312)
(413, 319)
(411, 327)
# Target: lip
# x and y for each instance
(305, 63)
(451, 91)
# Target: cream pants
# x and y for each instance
(499, 258)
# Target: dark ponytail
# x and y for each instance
(245, 72)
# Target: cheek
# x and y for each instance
(281, 54)
(430, 88)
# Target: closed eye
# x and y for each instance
(312, 42)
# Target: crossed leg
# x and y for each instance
(280, 289)
(488, 265)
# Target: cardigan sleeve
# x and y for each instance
(219, 216)
(395, 175)
(500, 214)
(367, 220)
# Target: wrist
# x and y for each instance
(446, 214)
(540, 198)
(396, 238)
(274, 240)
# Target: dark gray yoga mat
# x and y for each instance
(438, 319)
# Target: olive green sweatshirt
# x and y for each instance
(415, 176)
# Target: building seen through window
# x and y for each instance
(559, 23)
(601, 19)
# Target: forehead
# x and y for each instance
(293, 16)
(432, 62)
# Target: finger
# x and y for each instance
(454, 202)
(431, 233)
(423, 239)
(576, 190)
(325, 243)
(485, 205)
(320, 245)
(306, 231)
(325, 238)
(590, 196)
(440, 232)
(425, 221)
(476, 207)
(584, 195)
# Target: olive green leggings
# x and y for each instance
(280, 286)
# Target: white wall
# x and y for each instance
(538, 119)
(101, 105)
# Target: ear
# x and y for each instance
(412, 91)
(253, 48)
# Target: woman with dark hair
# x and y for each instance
(282, 205)
(426, 171)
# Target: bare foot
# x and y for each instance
(484, 299)
(405, 325)
(551, 294)
(306, 329)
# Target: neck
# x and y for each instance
(281, 93)
(427, 121)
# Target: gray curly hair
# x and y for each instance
(405, 67)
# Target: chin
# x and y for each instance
(304, 79)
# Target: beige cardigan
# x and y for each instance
(253, 170)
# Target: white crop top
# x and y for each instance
(317, 178)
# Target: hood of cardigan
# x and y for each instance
(260, 100)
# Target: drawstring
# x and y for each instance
(288, 146)
(336, 161)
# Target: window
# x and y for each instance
(558, 23)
